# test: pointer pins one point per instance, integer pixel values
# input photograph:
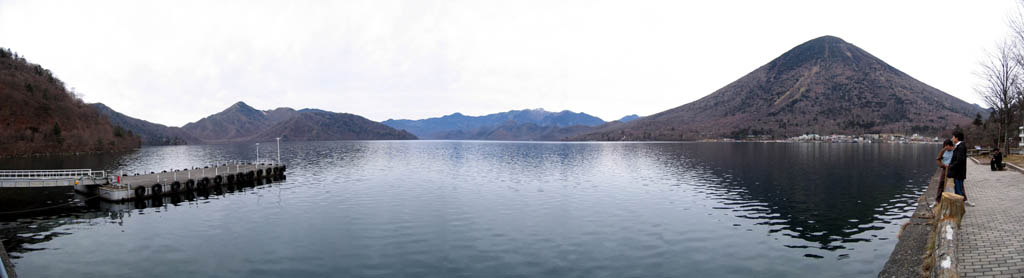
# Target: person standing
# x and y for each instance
(958, 165)
(945, 157)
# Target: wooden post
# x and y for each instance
(951, 206)
(948, 215)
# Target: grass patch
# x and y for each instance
(1016, 159)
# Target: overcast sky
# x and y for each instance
(174, 62)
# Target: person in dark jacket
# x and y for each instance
(996, 164)
(958, 165)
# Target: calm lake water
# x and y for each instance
(495, 209)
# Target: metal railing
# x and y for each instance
(245, 162)
(240, 162)
(45, 178)
(265, 161)
(50, 174)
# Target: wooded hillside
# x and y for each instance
(38, 115)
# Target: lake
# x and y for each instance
(494, 209)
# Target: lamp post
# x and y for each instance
(278, 150)
(257, 153)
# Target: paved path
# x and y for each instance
(992, 238)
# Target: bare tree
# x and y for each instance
(1001, 85)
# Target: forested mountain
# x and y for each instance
(242, 123)
(39, 116)
(318, 125)
(151, 133)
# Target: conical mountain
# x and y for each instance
(238, 122)
(823, 86)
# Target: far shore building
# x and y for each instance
(865, 138)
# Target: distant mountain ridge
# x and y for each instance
(243, 123)
(459, 126)
(512, 131)
(823, 86)
(629, 118)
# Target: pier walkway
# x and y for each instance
(16, 184)
(131, 187)
(44, 178)
(991, 243)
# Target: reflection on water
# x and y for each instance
(825, 194)
(21, 231)
(493, 209)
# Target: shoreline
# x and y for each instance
(5, 260)
(907, 256)
(66, 154)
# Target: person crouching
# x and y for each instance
(996, 164)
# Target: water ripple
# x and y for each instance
(500, 209)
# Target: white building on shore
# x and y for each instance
(1020, 144)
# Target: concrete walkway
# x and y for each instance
(992, 232)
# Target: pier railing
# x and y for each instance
(42, 178)
(243, 162)
(50, 174)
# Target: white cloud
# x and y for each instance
(174, 62)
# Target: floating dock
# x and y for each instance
(143, 186)
(32, 190)
(135, 187)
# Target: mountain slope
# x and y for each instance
(151, 134)
(461, 126)
(39, 116)
(238, 122)
(322, 125)
(242, 123)
(823, 86)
